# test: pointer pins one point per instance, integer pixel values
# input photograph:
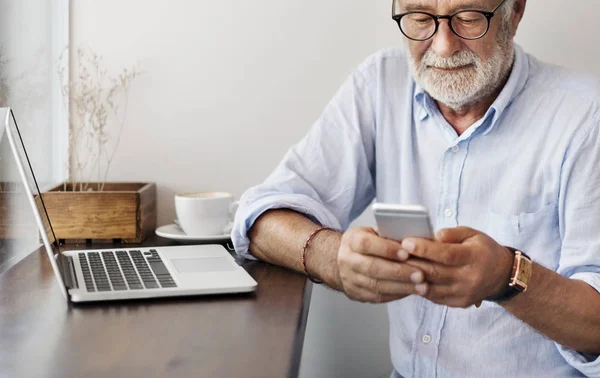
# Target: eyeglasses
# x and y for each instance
(467, 24)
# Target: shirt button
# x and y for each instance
(455, 149)
(448, 212)
(426, 339)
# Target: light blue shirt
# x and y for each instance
(527, 174)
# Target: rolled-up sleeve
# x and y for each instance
(580, 226)
(328, 175)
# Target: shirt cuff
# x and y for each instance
(249, 212)
(587, 364)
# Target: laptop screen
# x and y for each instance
(19, 227)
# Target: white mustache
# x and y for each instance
(461, 59)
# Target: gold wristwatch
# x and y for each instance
(519, 278)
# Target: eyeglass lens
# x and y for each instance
(422, 26)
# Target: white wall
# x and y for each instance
(230, 85)
(563, 33)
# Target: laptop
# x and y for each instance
(127, 273)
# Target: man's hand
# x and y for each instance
(370, 270)
(462, 266)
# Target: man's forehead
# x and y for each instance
(443, 5)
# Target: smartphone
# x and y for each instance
(400, 221)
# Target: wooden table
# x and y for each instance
(249, 335)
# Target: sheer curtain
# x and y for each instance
(33, 37)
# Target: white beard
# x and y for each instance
(469, 85)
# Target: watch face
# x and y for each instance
(522, 272)
(524, 269)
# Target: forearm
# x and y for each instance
(562, 309)
(278, 236)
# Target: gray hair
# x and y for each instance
(507, 10)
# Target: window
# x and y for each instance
(33, 36)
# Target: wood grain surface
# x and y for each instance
(125, 211)
(249, 335)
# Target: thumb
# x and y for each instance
(455, 235)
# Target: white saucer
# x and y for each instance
(174, 232)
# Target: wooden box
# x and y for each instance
(123, 211)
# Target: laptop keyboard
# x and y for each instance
(124, 270)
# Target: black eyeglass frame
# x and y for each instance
(437, 18)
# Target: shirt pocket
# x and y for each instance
(535, 233)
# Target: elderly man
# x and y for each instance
(502, 149)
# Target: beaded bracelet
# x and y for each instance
(306, 243)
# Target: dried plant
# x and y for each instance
(96, 101)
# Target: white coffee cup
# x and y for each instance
(205, 213)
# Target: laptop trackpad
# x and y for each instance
(203, 265)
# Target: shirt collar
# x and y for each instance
(513, 87)
(421, 98)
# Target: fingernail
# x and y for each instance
(402, 255)
(416, 277)
(421, 289)
(408, 245)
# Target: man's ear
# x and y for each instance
(518, 12)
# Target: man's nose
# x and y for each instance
(445, 43)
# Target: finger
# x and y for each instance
(385, 287)
(362, 294)
(434, 273)
(369, 243)
(448, 295)
(384, 269)
(455, 235)
(447, 254)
